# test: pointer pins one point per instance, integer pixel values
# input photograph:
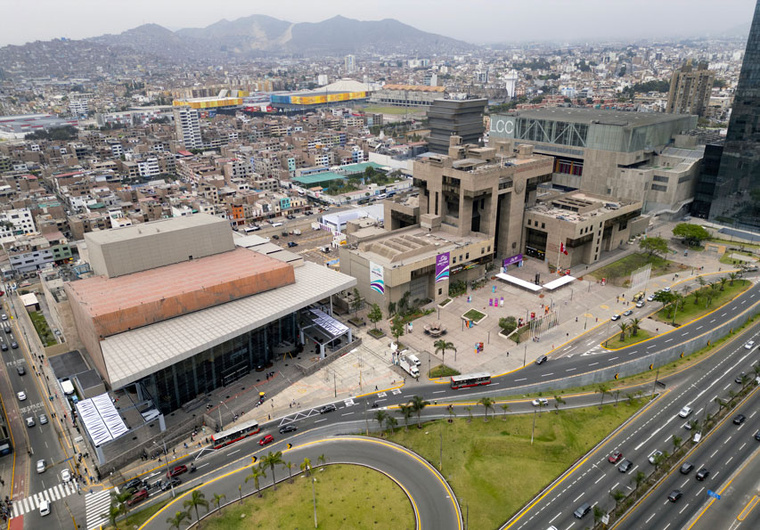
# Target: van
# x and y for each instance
(67, 386)
(413, 358)
(276, 224)
(582, 510)
(44, 508)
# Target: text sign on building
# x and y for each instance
(442, 267)
(511, 261)
(376, 281)
(503, 126)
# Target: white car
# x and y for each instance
(749, 345)
(540, 402)
(44, 508)
(666, 290)
(65, 475)
(615, 317)
(697, 437)
(41, 465)
(21, 396)
(685, 412)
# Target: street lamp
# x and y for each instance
(166, 458)
(314, 496)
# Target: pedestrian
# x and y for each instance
(269, 417)
(507, 354)
(375, 387)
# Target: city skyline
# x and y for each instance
(542, 20)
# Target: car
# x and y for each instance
(268, 439)
(666, 290)
(292, 244)
(43, 419)
(171, 483)
(749, 344)
(615, 457)
(582, 510)
(21, 396)
(288, 428)
(14, 345)
(627, 313)
(540, 402)
(65, 475)
(615, 317)
(133, 484)
(327, 408)
(20, 370)
(275, 236)
(739, 419)
(4, 316)
(739, 378)
(685, 412)
(640, 304)
(650, 298)
(41, 466)
(686, 468)
(654, 456)
(176, 471)
(3, 346)
(675, 495)
(30, 421)
(702, 474)
(757, 436)
(697, 437)
(625, 466)
(541, 360)
(138, 496)
(44, 508)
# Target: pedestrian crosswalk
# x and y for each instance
(96, 508)
(57, 492)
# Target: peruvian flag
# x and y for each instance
(562, 248)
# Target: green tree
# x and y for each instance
(407, 412)
(639, 478)
(654, 246)
(375, 314)
(723, 281)
(119, 500)
(692, 234)
(598, 514)
(602, 389)
(322, 459)
(114, 511)
(507, 325)
(397, 327)
(197, 498)
(676, 442)
(441, 346)
(635, 326)
(617, 495)
(623, 329)
(505, 408)
(487, 403)
(380, 417)
(390, 423)
(218, 501)
(557, 402)
(306, 466)
(721, 403)
(174, 522)
(272, 459)
(418, 404)
(256, 473)
(289, 466)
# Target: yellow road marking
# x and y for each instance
(748, 508)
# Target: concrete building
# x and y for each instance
(188, 127)
(690, 90)
(455, 117)
(407, 95)
(611, 153)
(16, 222)
(349, 64)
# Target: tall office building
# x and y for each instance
(453, 117)
(690, 90)
(188, 126)
(737, 187)
(350, 64)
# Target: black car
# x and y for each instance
(288, 428)
(327, 408)
(757, 436)
(292, 244)
(739, 378)
(739, 419)
(702, 474)
(625, 466)
(275, 236)
(686, 468)
(675, 495)
(21, 370)
(3, 346)
(133, 484)
(174, 482)
(541, 360)
(14, 344)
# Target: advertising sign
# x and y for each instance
(442, 267)
(376, 282)
(511, 261)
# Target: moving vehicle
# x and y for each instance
(268, 439)
(21, 396)
(702, 474)
(582, 510)
(640, 304)
(171, 483)
(20, 370)
(615, 317)
(133, 484)
(408, 366)
(138, 497)
(739, 419)
(675, 495)
(749, 344)
(541, 360)
(288, 428)
(540, 402)
(757, 436)
(176, 471)
(14, 345)
(44, 508)
(43, 419)
(327, 408)
(627, 313)
(41, 465)
(30, 421)
(625, 466)
(233, 434)
(685, 412)
(650, 298)
(466, 380)
(686, 468)
(65, 475)
(615, 457)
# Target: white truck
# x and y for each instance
(409, 366)
(295, 232)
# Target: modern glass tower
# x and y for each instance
(737, 189)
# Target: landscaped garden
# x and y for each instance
(684, 306)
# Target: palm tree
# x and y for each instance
(390, 423)
(256, 473)
(723, 281)
(731, 277)
(418, 403)
(406, 411)
(196, 499)
(676, 442)
(505, 408)
(218, 500)
(487, 403)
(720, 404)
(640, 477)
(306, 466)
(697, 294)
(557, 402)
(617, 495)
(441, 346)
(175, 521)
(322, 459)
(114, 511)
(119, 500)
(271, 460)
(289, 466)
(602, 389)
(469, 411)
(380, 416)
(623, 328)
(635, 326)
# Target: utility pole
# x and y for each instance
(314, 496)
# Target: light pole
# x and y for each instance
(314, 496)
(166, 458)
(525, 354)
(221, 425)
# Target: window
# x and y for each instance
(657, 178)
(543, 225)
(657, 187)
(467, 256)
(528, 222)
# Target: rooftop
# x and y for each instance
(603, 117)
(412, 244)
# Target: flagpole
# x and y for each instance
(559, 252)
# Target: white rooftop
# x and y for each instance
(134, 354)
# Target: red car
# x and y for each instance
(140, 495)
(268, 439)
(615, 457)
(176, 471)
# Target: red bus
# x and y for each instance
(226, 437)
(463, 381)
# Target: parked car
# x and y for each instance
(654, 456)
(627, 313)
(292, 244)
(268, 439)
(176, 471)
(615, 317)
(650, 298)
(171, 483)
(615, 457)
(640, 304)
(327, 408)
(740, 378)
(275, 236)
(288, 428)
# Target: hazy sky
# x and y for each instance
(477, 21)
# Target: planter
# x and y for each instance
(476, 316)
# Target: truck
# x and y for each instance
(296, 232)
(408, 366)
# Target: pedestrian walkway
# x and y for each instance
(56, 493)
(96, 508)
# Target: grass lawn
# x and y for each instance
(690, 310)
(43, 330)
(474, 314)
(615, 341)
(734, 244)
(442, 371)
(137, 519)
(492, 466)
(395, 110)
(619, 272)
(348, 497)
(728, 260)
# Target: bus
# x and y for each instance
(226, 437)
(463, 381)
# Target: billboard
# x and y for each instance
(511, 261)
(376, 282)
(502, 126)
(442, 267)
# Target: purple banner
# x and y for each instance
(511, 261)
(442, 267)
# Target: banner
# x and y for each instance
(442, 267)
(376, 282)
(511, 261)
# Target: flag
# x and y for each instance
(562, 248)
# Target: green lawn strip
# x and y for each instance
(726, 258)
(620, 270)
(137, 519)
(348, 497)
(689, 311)
(733, 244)
(442, 371)
(615, 341)
(42, 328)
(492, 466)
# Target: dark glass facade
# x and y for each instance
(218, 366)
(737, 188)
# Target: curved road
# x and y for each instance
(432, 499)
